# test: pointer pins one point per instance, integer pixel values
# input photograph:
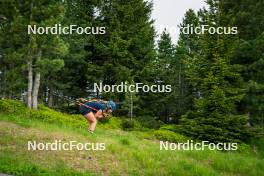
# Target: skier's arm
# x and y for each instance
(100, 114)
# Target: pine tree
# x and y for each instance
(218, 85)
(161, 72)
(81, 69)
(128, 44)
(249, 53)
(35, 51)
(187, 49)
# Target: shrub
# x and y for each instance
(170, 136)
(12, 106)
(169, 127)
(149, 122)
(129, 124)
(110, 123)
(105, 120)
(244, 148)
(52, 116)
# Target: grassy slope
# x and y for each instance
(127, 153)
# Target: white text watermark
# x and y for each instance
(71, 29)
(190, 145)
(137, 87)
(199, 30)
(59, 145)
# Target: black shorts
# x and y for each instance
(84, 110)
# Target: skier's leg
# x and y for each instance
(92, 121)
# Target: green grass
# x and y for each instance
(126, 153)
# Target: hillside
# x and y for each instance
(126, 153)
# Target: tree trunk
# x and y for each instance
(36, 85)
(4, 83)
(30, 84)
(50, 98)
(131, 106)
(35, 91)
(180, 80)
(30, 69)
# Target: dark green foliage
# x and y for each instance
(160, 72)
(149, 122)
(21, 52)
(218, 85)
(249, 54)
(128, 124)
(216, 127)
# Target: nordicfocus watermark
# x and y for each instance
(137, 87)
(59, 145)
(71, 29)
(190, 145)
(199, 30)
(203, 29)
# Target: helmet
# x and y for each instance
(112, 105)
